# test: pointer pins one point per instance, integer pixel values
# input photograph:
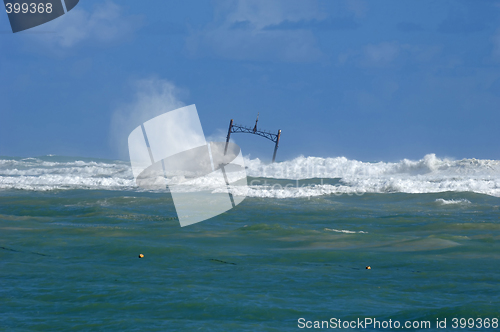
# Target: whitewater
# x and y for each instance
(279, 180)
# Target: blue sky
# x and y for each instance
(368, 80)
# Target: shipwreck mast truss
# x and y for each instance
(235, 128)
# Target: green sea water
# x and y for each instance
(69, 261)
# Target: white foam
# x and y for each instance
(428, 175)
(452, 201)
(344, 231)
(36, 174)
(341, 167)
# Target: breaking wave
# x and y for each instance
(428, 175)
(52, 172)
(452, 201)
(344, 231)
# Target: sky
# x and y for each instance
(367, 80)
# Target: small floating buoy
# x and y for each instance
(141, 255)
(368, 267)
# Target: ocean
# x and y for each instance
(294, 255)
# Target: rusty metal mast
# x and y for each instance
(234, 128)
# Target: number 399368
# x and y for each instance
(28, 8)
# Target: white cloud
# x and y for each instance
(262, 13)
(389, 53)
(292, 46)
(358, 7)
(106, 23)
(239, 31)
(153, 97)
(381, 54)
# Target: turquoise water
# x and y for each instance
(69, 261)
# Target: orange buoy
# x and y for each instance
(141, 255)
(368, 267)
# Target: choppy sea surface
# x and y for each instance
(71, 230)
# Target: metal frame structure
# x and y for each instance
(235, 128)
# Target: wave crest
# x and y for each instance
(427, 175)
